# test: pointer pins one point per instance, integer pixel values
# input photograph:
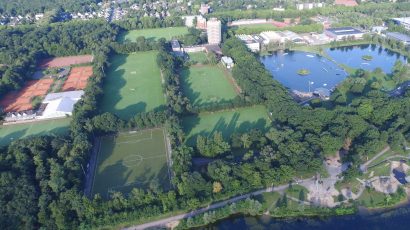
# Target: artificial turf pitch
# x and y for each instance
(133, 84)
(157, 33)
(204, 85)
(9, 133)
(130, 160)
(227, 122)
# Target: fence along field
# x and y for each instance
(133, 85)
(132, 159)
(226, 121)
(65, 61)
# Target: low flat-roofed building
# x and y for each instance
(344, 33)
(271, 36)
(176, 47)
(399, 37)
(405, 22)
(227, 61)
(379, 29)
(253, 42)
(60, 104)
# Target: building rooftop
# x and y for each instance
(344, 31)
(175, 44)
(403, 20)
(399, 36)
(69, 94)
(227, 60)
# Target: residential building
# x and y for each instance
(308, 6)
(204, 9)
(344, 33)
(214, 31)
(201, 23)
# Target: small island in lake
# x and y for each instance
(367, 57)
(303, 72)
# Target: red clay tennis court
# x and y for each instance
(65, 61)
(21, 100)
(78, 78)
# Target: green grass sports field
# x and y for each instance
(199, 57)
(9, 133)
(132, 159)
(206, 85)
(157, 33)
(133, 85)
(227, 122)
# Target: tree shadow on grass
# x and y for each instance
(227, 128)
(11, 137)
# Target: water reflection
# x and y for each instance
(352, 57)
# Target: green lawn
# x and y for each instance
(295, 191)
(372, 198)
(157, 33)
(199, 57)
(268, 199)
(132, 159)
(207, 85)
(227, 122)
(9, 133)
(133, 85)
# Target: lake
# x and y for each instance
(352, 57)
(325, 73)
(285, 65)
(394, 219)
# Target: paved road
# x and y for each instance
(163, 222)
(364, 166)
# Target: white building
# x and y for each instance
(60, 104)
(227, 61)
(253, 42)
(344, 33)
(213, 30)
(271, 36)
(308, 6)
(405, 22)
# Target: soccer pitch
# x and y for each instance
(157, 33)
(205, 85)
(9, 133)
(227, 122)
(133, 84)
(131, 159)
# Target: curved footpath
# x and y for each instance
(163, 222)
(306, 183)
